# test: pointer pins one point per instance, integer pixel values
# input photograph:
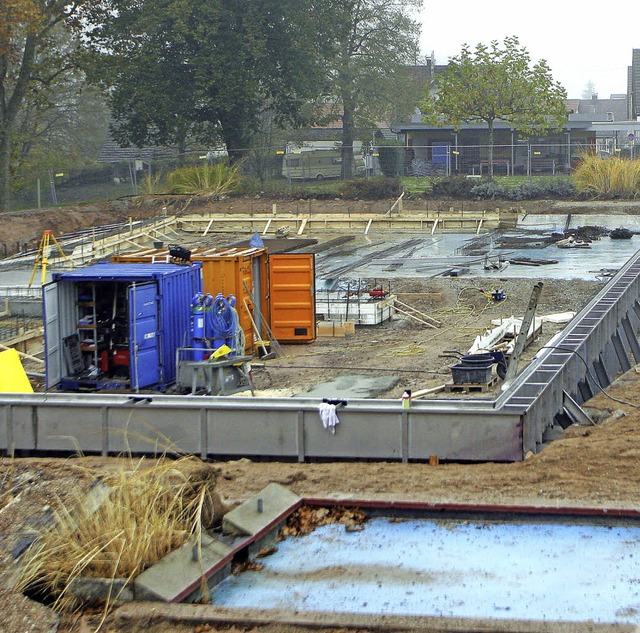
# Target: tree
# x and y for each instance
(29, 64)
(497, 83)
(589, 90)
(367, 46)
(62, 126)
(201, 70)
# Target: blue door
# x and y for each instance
(144, 340)
(440, 157)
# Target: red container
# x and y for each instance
(121, 358)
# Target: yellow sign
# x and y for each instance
(279, 151)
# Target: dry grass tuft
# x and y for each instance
(149, 508)
(6, 484)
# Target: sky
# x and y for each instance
(579, 43)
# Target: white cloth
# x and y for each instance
(328, 416)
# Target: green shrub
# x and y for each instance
(525, 191)
(391, 155)
(377, 188)
(488, 191)
(454, 187)
(559, 188)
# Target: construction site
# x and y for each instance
(346, 381)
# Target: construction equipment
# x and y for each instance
(259, 342)
(42, 256)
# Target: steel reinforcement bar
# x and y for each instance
(599, 344)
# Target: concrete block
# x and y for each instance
(260, 511)
(177, 576)
(101, 590)
(330, 328)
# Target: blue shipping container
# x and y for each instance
(117, 326)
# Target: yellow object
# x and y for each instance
(42, 257)
(223, 350)
(13, 378)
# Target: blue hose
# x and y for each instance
(222, 322)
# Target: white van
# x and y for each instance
(318, 164)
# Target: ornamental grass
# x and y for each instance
(149, 508)
(208, 181)
(608, 177)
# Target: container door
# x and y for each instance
(292, 297)
(144, 343)
(52, 337)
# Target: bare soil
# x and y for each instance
(595, 466)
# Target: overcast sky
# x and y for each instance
(579, 43)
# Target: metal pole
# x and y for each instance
(52, 184)
(257, 292)
(521, 340)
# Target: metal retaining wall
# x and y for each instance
(599, 344)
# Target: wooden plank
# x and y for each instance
(368, 226)
(208, 227)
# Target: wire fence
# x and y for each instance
(278, 168)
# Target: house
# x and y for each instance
(633, 86)
(601, 125)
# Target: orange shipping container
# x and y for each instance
(292, 297)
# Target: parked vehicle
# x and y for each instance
(318, 164)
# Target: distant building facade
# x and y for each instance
(633, 86)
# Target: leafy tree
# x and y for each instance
(367, 46)
(28, 63)
(497, 83)
(201, 70)
(391, 158)
(62, 126)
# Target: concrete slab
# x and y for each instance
(177, 576)
(352, 386)
(260, 512)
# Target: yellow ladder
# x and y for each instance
(42, 257)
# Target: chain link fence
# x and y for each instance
(278, 168)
